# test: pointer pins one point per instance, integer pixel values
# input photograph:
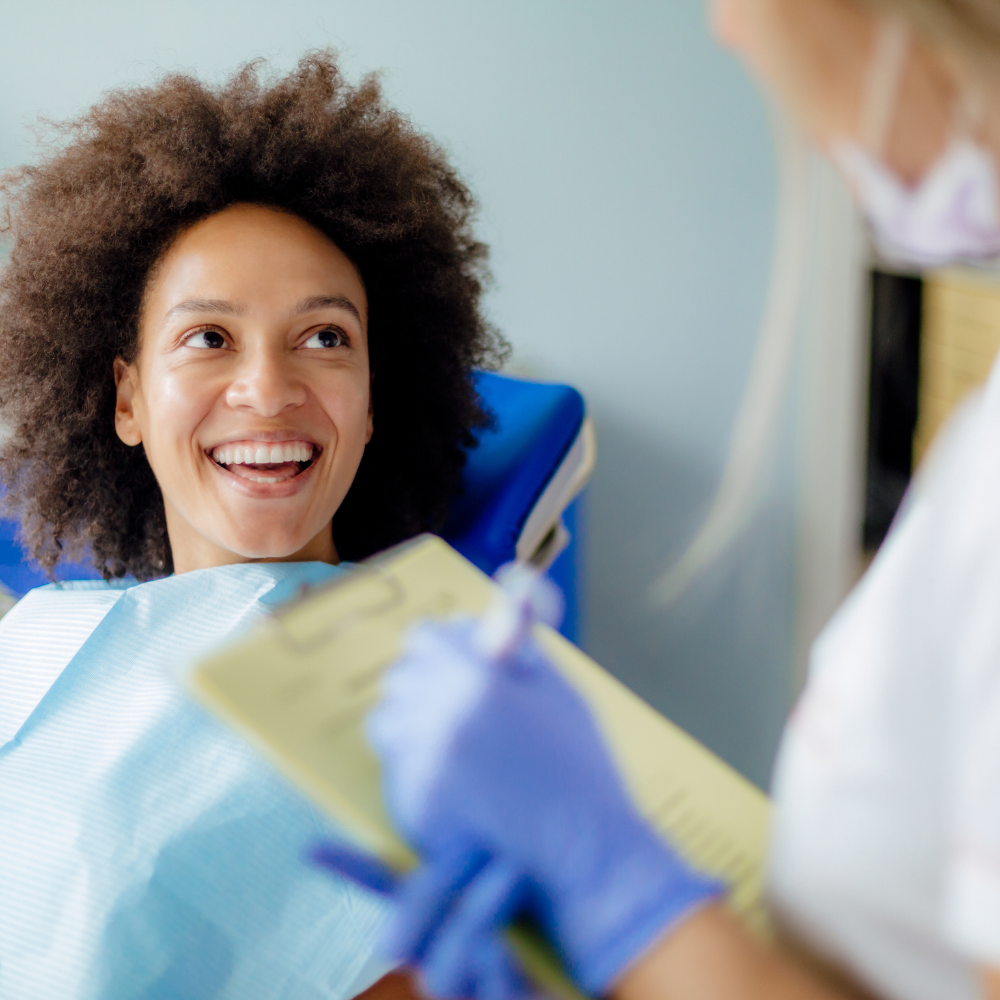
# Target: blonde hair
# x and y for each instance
(969, 27)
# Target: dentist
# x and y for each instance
(885, 860)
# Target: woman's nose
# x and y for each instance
(267, 384)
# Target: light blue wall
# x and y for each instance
(626, 176)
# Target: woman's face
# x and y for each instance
(251, 393)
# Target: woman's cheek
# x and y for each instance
(187, 393)
(178, 405)
(348, 407)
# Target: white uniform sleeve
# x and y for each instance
(972, 869)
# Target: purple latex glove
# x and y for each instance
(495, 771)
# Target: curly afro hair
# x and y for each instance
(87, 225)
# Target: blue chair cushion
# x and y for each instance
(535, 424)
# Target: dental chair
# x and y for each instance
(518, 499)
(521, 483)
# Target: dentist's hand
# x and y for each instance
(495, 771)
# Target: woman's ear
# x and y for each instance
(126, 422)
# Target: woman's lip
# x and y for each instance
(266, 437)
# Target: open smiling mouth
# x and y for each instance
(266, 463)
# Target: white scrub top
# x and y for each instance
(886, 840)
(146, 852)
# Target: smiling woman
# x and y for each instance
(237, 332)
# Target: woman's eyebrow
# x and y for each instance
(221, 307)
(224, 307)
(315, 302)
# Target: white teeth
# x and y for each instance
(296, 451)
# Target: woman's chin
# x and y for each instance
(295, 551)
(270, 542)
(226, 532)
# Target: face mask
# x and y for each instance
(952, 213)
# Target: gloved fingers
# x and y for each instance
(427, 698)
(498, 977)
(365, 870)
(428, 649)
(455, 952)
(431, 638)
(490, 973)
(424, 900)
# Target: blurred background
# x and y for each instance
(630, 186)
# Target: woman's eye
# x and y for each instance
(206, 338)
(326, 338)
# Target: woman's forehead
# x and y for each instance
(250, 258)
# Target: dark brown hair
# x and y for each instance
(87, 224)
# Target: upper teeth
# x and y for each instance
(263, 454)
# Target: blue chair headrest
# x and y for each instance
(535, 423)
